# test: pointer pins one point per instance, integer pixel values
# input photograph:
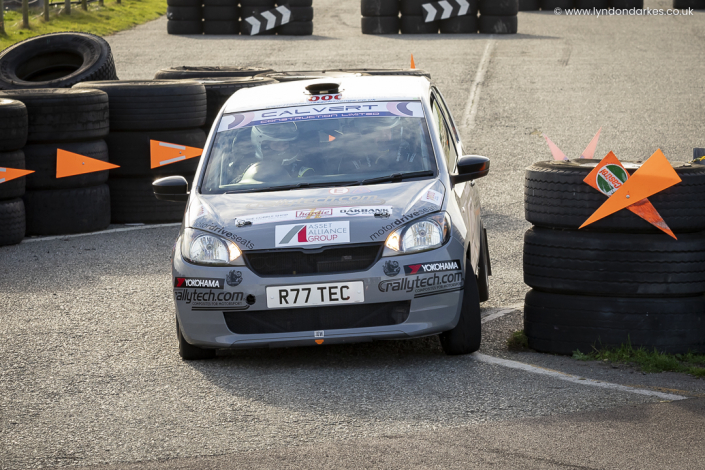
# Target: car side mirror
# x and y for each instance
(171, 188)
(471, 167)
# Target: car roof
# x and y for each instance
(355, 88)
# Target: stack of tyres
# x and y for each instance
(301, 22)
(75, 121)
(685, 4)
(380, 16)
(221, 17)
(498, 16)
(140, 111)
(551, 5)
(466, 24)
(184, 17)
(413, 18)
(13, 136)
(250, 7)
(619, 280)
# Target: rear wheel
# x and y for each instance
(189, 352)
(465, 338)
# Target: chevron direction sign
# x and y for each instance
(445, 9)
(266, 20)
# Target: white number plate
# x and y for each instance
(315, 294)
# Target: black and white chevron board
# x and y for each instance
(267, 20)
(445, 9)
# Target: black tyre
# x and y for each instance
(294, 76)
(187, 3)
(301, 14)
(13, 125)
(56, 60)
(218, 91)
(459, 25)
(484, 271)
(61, 115)
(14, 188)
(183, 13)
(683, 4)
(417, 25)
(221, 27)
(614, 264)
(498, 24)
(499, 7)
(258, 3)
(221, 3)
(189, 352)
(295, 3)
(414, 8)
(466, 337)
(296, 28)
(249, 10)
(64, 211)
(185, 72)
(42, 159)
(132, 201)
(221, 14)
(529, 5)
(131, 150)
(12, 222)
(562, 324)
(589, 4)
(551, 5)
(380, 24)
(555, 196)
(634, 4)
(184, 27)
(388, 72)
(153, 104)
(379, 7)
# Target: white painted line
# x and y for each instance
(102, 232)
(570, 378)
(494, 313)
(172, 160)
(474, 98)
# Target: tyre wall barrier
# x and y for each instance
(171, 111)
(430, 17)
(617, 280)
(551, 5)
(13, 136)
(227, 17)
(685, 4)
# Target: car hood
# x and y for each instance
(315, 217)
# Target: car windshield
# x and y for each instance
(319, 145)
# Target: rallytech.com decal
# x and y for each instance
(210, 300)
(422, 286)
(198, 282)
(433, 267)
(323, 233)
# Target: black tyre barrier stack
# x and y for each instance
(466, 24)
(301, 22)
(75, 120)
(221, 17)
(498, 16)
(185, 72)
(13, 136)
(619, 279)
(380, 16)
(56, 60)
(413, 18)
(184, 17)
(685, 4)
(163, 110)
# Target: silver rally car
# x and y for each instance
(330, 211)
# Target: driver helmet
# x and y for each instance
(268, 140)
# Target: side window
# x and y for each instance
(446, 113)
(447, 143)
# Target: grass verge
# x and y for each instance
(648, 361)
(102, 21)
(518, 341)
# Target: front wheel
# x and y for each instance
(465, 338)
(189, 352)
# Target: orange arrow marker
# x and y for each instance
(655, 175)
(319, 341)
(164, 153)
(7, 174)
(72, 164)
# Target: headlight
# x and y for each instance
(200, 247)
(426, 234)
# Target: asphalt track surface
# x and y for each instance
(89, 371)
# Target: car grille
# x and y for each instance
(301, 262)
(329, 317)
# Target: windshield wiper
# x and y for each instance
(397, 177)
(270, 188)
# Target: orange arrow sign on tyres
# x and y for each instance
(164, 153)
(7, 174)
(655, 175)
(72, 164)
